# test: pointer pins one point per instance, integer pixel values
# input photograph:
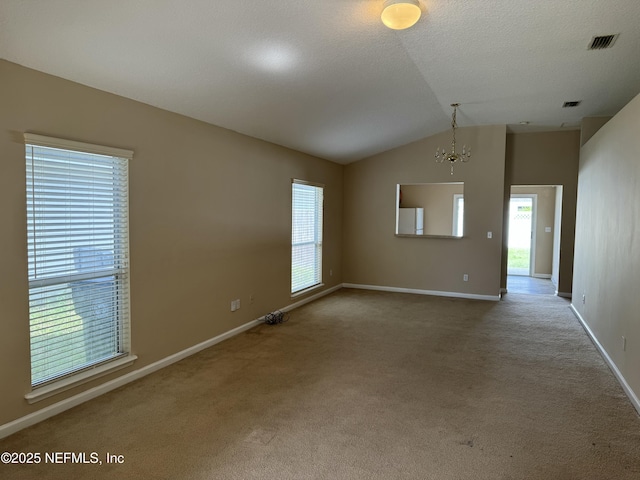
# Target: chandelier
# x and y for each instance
(453, 157)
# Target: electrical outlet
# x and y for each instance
(331, 273)
(489, 234)
(624, 343)
(584, 299)
(235, 304)
(465, 277)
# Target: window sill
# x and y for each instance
(83, 377)
(410, 235)
(307, 290)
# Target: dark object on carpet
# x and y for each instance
(275, 318)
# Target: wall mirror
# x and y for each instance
(430, 209)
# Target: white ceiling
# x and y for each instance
(325, 76)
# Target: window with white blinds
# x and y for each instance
(306, 235)
(78, 240)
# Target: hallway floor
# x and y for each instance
(530, 285)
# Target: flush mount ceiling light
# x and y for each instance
(453, 157)
(400, 14)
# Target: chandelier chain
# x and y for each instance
(453, 127)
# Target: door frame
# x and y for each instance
(534, 213)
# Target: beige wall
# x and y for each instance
(589, 126)
(373, 255)
(209, 220)
(547, 158)
(545, 213)
(607, 254)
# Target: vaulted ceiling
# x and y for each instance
(326, 77)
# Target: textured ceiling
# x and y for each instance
(326, 77)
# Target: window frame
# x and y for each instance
(121, 325)
(317, 242)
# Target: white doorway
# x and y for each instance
(533, 249)
(522, 221)
(557, 224)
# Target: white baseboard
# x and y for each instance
(563, 294)
(618, 374)
(438, 293)
(59, 407)
(542, 275)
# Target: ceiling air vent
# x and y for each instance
(604, 41)
(571, 104)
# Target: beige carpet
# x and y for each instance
(366, 385)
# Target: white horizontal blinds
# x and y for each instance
(77, 217)
(306, 236)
